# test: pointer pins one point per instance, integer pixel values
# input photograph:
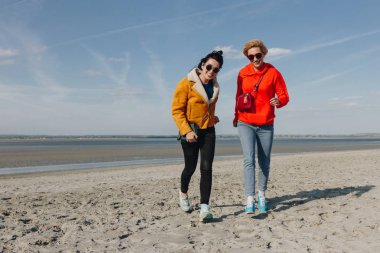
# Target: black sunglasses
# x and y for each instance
(258, 56)
(215, 70)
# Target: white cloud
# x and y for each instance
(273, 52)
(7, 53)
(230, 52)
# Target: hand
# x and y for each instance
(191, 137)
(274, 102)
(234, 123)
(216, 118)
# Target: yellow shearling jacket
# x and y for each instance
(191, 104)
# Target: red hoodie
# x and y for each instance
(272, 84)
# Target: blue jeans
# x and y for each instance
(249, 136)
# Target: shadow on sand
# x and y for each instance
(278, 204)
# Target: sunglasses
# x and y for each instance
(258, 56)
(215, 70)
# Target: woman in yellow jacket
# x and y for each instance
(193, 111)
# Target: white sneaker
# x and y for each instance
(262, 204)
(184, 202)
(205, 215)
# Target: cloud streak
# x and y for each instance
(281, 53)
(15, 4)
(121, 87)
(233, 53)
(349, 101)
(149, 24)
(38, 68)
(274, 52)
(335, 42)
(328, 77)
(155, 74)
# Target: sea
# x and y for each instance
(35, 154)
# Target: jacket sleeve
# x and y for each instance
(179, 106)
(239, 91)
(281, 90)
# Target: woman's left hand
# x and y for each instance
(216, 119)
(274, 102)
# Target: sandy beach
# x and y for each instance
(319, 202)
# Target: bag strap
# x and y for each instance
(257, 84)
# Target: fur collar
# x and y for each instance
(193, 76)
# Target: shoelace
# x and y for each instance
(250, 204)
(262, 201)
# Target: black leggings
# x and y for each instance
(205, 144)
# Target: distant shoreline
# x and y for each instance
(224, 136)
(49, 154)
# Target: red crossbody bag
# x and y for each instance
(244, 102)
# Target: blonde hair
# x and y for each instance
(255, 43)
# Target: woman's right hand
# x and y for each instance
(191, 137)
(234, 123)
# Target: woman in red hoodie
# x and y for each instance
(255, 124)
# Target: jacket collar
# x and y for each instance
(193, 76)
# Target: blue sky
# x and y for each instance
(110, 67)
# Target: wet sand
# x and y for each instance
(40, 153)
(319, 202)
